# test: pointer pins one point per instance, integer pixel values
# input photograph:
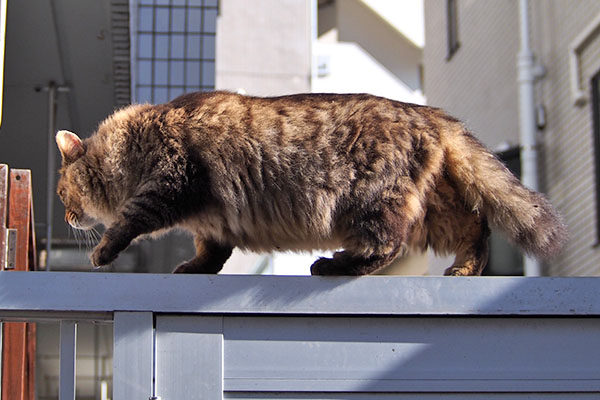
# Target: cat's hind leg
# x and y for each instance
(472, 248)
(375, 239)
(209, 259)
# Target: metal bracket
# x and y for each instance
(11, 249)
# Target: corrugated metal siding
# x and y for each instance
(489, 34)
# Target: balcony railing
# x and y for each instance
(211, 337)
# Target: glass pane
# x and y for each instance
(194, 20)
(177, 42)
(161, 95)
(193, 46)
(144, 94)
(208, 73)
(162, 19)
(210, 20)
(193, 73)
(161, 70)
(208, 47)
(175, 92)
(177, 20)
(176, 73)
(162, 46)
(145, 19)
(144, 45)
(144, 76)
(211, 3)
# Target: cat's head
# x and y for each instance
(72, 187)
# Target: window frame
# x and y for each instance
(453, 44)
(197, 65)
(595, 104)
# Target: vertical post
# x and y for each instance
(19, 352)
(527, 123)
(197, 344)
(68, 352)
(53, 91)
(3, 213)
(133, 357)
(50, 170)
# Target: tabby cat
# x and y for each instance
(374, 177)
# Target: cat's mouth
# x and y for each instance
(83, 221)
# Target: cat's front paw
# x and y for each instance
(102, 255)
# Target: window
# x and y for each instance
(452, 27)
(505, 259)
(595, 83)
(175, 50)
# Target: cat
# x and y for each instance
(372, 176)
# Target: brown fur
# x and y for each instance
(373, 176)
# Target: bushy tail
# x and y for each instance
(525, 216)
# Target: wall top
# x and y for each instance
(101, 293)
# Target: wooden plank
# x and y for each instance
(3, 212)
(19, 214)
(18, 339)
(133, 355)
(13, 361)
(31, 329)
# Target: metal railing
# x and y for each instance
(181, 336)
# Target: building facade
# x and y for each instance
(470, 64)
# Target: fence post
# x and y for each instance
(68, 352)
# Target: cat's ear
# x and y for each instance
(70, 145)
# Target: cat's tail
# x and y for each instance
(525, 216)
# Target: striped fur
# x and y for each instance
(372, 176)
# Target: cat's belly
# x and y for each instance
(262, 236)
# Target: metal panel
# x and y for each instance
(370, 295)
(401, 355)
(133, 355)
(411, 396)
(68, 351)
(189, 358)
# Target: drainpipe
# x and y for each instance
(528, 73)
(52, 90)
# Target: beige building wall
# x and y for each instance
(478, 84)
(568, 162)
(263, 46)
